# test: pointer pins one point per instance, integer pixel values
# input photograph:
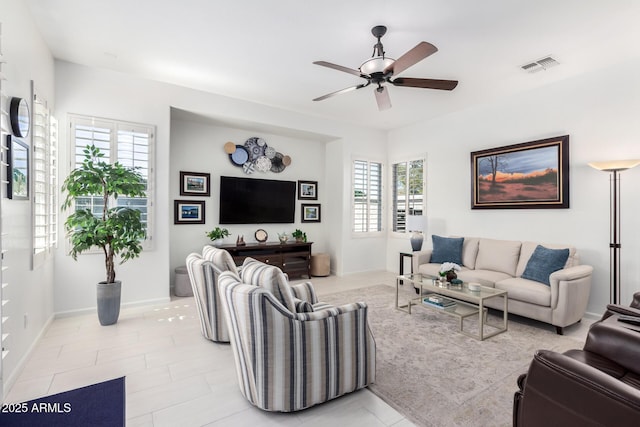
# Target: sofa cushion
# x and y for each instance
(498, 255)
(527, 291)
(543, 262)
(484, 277)
(527, 250)
(470, 252)
(447, 249)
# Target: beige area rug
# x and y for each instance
(436, 376)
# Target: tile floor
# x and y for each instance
(173, 375)
(176, 377)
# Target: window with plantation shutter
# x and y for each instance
(367, 196)
(45, 189)
(130, 144)
(408, 191)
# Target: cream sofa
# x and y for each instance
(501, 263)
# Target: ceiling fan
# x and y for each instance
(379, 70)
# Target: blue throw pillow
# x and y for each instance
(543, 262)
(447, 249)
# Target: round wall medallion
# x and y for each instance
(20, 117)
(261, 235)
(239, 156)
(229, 147)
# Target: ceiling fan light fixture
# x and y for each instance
(377, 64)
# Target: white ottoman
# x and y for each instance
(182, 284)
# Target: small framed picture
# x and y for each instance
(307, 190)
(188, 211)
(310, 213)
(195, 184)
(18, 169)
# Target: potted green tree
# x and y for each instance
(118, 231)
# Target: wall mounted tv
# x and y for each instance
(256, 201)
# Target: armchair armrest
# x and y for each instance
(611, 339)
(567, 392)
(620, 309)
(332, 311)
(419, 258)
(305, 292)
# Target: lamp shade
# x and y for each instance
(615, 165)
(416, 223)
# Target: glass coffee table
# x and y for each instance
(467, 303)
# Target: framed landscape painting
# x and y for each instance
(531, 175)
(188, 211)
(310, 213)
(195, 184)
(308, 190)
(17, 169)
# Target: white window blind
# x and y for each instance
(45, 189)
(131, 145)
(367, 196)
(408, 191)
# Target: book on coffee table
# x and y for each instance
(439, 301)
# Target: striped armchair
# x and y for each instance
(288, 361)
(202, 274)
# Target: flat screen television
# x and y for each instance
(256, 201)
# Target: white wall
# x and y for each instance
(102, 93)
(599, 111)
(198, 147)
(29, 291)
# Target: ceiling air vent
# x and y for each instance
(540, 64)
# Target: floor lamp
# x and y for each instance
(614, 167)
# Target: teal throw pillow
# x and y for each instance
(446, 249)
(543, 262)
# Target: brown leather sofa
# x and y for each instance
(596, 386)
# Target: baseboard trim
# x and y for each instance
(91, 310)
(9, 381)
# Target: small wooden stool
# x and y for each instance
(320, 265)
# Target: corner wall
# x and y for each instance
(599, 112)
(103, 93)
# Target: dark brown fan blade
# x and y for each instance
(339, 68)
(412, 57)
(425, 83)
(338, 92)
(382, 98)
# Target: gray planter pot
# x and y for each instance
(108, 302)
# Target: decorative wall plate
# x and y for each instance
(261, 235)
(254, 148)
(276, 163)
(240, 156)
(263, 164)
(270, 152)
(229, 147)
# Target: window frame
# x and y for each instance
(392, 194)
(115, 126)
(352, 189)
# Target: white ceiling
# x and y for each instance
(263, 51)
